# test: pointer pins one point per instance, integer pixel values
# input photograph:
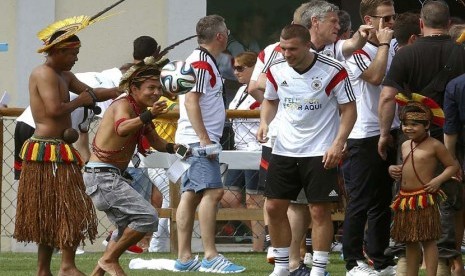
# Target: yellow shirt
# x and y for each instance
(166, 128)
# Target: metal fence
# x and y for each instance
(238, 230)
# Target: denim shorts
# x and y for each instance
(124, 206)
(204, 173)
(237, 180)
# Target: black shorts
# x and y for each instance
(288, 175)
(264, 163)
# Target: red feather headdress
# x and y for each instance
(433, 112)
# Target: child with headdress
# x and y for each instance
(416, 212)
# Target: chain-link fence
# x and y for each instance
(156, 188)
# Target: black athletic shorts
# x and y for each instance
(288, 175)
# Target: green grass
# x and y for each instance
(21, 264)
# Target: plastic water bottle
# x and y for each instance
(206, 150)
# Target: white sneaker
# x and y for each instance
(361, 271)
(280, 272)
(388, 271)
(79, 251)
(270, 255)
(336, 247)
(308, 259)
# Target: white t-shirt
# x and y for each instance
(367, 94)
(245, 129)
(310, 101)
(210, 84)
(333, 50)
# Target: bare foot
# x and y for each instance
(98, 271)
(114, 269)
(73, 271)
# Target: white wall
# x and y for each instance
(105, 44)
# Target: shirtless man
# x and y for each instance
(53, 209)
(125, 123)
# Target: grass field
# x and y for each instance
(22, 264)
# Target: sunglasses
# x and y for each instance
(240, 69)
(386, 18)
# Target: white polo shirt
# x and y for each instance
(210, 84)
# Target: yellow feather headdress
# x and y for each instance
(70, 26)
(433, 111)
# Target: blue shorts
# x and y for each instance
(113, 194)
(141, 182)
(236, 180)
(204, 173)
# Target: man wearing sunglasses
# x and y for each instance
(367, 182)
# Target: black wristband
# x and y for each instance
(169, 148)
(384, 44)
(146, 116)
(90, 90)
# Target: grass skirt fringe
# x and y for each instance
(416, 216)
(53, 208)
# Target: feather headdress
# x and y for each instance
(432, 111)
(70, 26)
(150, 67)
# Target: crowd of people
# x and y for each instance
(365, 106)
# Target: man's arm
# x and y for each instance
(102, 94)
(376, 71)
(386, 112)
(257, 88)
(357, 41)
(348, 115)
(194, 113)
(450, 141)
(125, 125)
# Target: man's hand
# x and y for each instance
(384, 34)
(262, 133)
(432, 186)
(85, 99)
(159, 108)
(383, 144)
(395, 171)
(332, 157)
(364, 31)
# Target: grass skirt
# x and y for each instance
(416, 216)
(52, 206)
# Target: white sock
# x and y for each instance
(320, 260)
(281, 258)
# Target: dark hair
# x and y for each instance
(368, 7)
(344, 22)
(406, 24)
(435, 14)
(413, 109)
(55, 35)
(144, 46)
(295, 30)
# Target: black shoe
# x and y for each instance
(302, 270)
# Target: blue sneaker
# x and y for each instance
(302, 270)
(220, 264)
(191, 265)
